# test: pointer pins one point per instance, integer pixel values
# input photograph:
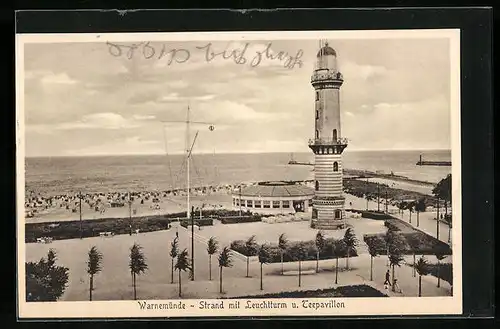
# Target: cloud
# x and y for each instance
(175, 97)
(137, 140)
(390, 96)
(231, 111)
(410, 125)
(352, 70)
(61, 79)
(143, 117)
(96, 121)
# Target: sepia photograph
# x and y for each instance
(223, 174)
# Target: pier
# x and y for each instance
(432, 163)
(293, 162)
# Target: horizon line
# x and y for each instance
(219, 153)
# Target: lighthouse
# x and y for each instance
(327, 144)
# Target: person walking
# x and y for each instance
(387, 282)
(396, 286)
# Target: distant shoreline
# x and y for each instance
(223, 153)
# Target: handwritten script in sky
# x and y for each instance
(240, 55)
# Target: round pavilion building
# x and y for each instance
(273, 198)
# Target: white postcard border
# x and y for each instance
(353, 306)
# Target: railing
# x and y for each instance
(325, 74)
(328, 141)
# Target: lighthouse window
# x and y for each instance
(334, 135)
(317, 134)
(335, 166)
(317, 186)
(317, 114)
(338, 214)
(317, 95)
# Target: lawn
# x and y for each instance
(418, 242)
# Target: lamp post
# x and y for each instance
(386, 206)
(378, 197)
(80, 207)
(437, 219)
(192, 243)
(240, 198)
(130, 213)
(366, 193)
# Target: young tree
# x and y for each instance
(350, 242)
(264, 258)
(443, 191)
(251, 249)
(440, 256)
(94, 266)
(300, 254)
(320, 244)
(410, 206)
(45, 281)
(375, 247)
(181, 265)
(174, 251)
(137, 264)
(396, 248)
(422, 269)
(224, 261)
(420, 207)
(338, 250)
(447, 218)
(212, 248)
(402, 207)
(282, 244)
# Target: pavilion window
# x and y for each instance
(267, 204)
(286, 204)
(276, 204)
(237, 202)
(258, 204)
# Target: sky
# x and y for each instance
(98, 99)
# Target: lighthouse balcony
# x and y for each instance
(324, 75)
(328, 141)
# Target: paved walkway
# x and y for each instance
(427, 223)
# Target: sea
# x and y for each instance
(92, 174)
